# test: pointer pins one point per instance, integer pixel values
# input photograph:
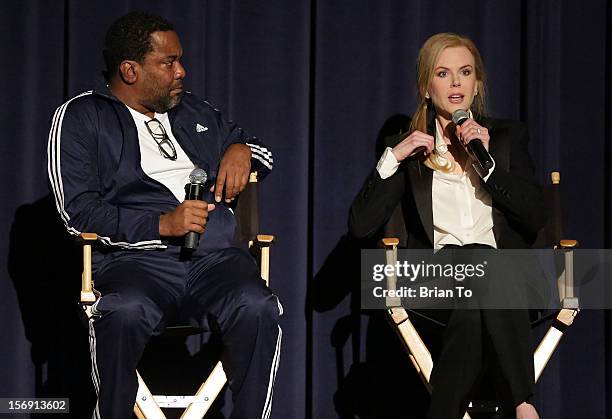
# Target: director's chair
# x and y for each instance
(401, 318)
(147, 405)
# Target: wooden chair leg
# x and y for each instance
(146, 403)
(138, 412)
(552, 338)
(206, 394)
(417, 350)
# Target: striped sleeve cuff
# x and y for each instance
(261, 154)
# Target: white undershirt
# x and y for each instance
(462, 210)
(174, 174)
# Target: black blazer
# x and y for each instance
(518, 208)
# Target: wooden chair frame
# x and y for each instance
(418, 352)
(147, 405)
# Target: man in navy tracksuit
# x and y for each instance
(119, 158)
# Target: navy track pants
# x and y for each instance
(142, 292)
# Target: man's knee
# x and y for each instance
(259, 302)
(129, 313)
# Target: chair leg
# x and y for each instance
(147, 408)
(145, 403)
(552, 338)
(417, 350)
(138, 412)
(206, 394)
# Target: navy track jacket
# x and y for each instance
(98, 182)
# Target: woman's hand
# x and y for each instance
(412, 144)
(470, 130)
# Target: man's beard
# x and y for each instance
(161, 102)
(159, 99)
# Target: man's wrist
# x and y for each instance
(241, 145)
(163, 230)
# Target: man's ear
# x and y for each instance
(128, 70)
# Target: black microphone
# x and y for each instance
(195, 189)
(419, 151)
(475, 147)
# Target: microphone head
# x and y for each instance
(459, 116)
(198, 176)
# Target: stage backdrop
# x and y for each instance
(319, 82)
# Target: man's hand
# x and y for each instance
(188, 216)
(233, 173)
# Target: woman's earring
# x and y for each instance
(426, 95)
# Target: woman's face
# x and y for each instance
(454, 81)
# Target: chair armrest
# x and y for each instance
(260, 247)
(568, 244)
(265, 239)
(390, 241)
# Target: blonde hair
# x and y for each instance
(426, 62)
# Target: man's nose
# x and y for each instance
(180, 71)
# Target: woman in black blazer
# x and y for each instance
(449, 200)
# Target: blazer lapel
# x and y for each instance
(421, 178)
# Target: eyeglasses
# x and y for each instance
(164, 143)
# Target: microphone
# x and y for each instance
(419, 151)
(475, 147)
(195, 190)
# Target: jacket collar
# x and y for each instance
(101, 88)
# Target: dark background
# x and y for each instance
(317, 81)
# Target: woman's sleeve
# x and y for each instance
(375, 202)
(516, 192)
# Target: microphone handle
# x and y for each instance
(480, 153)
(192, 240)
(418, 151)
(193, 191)
(476, 149)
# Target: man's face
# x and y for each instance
(161, 81)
